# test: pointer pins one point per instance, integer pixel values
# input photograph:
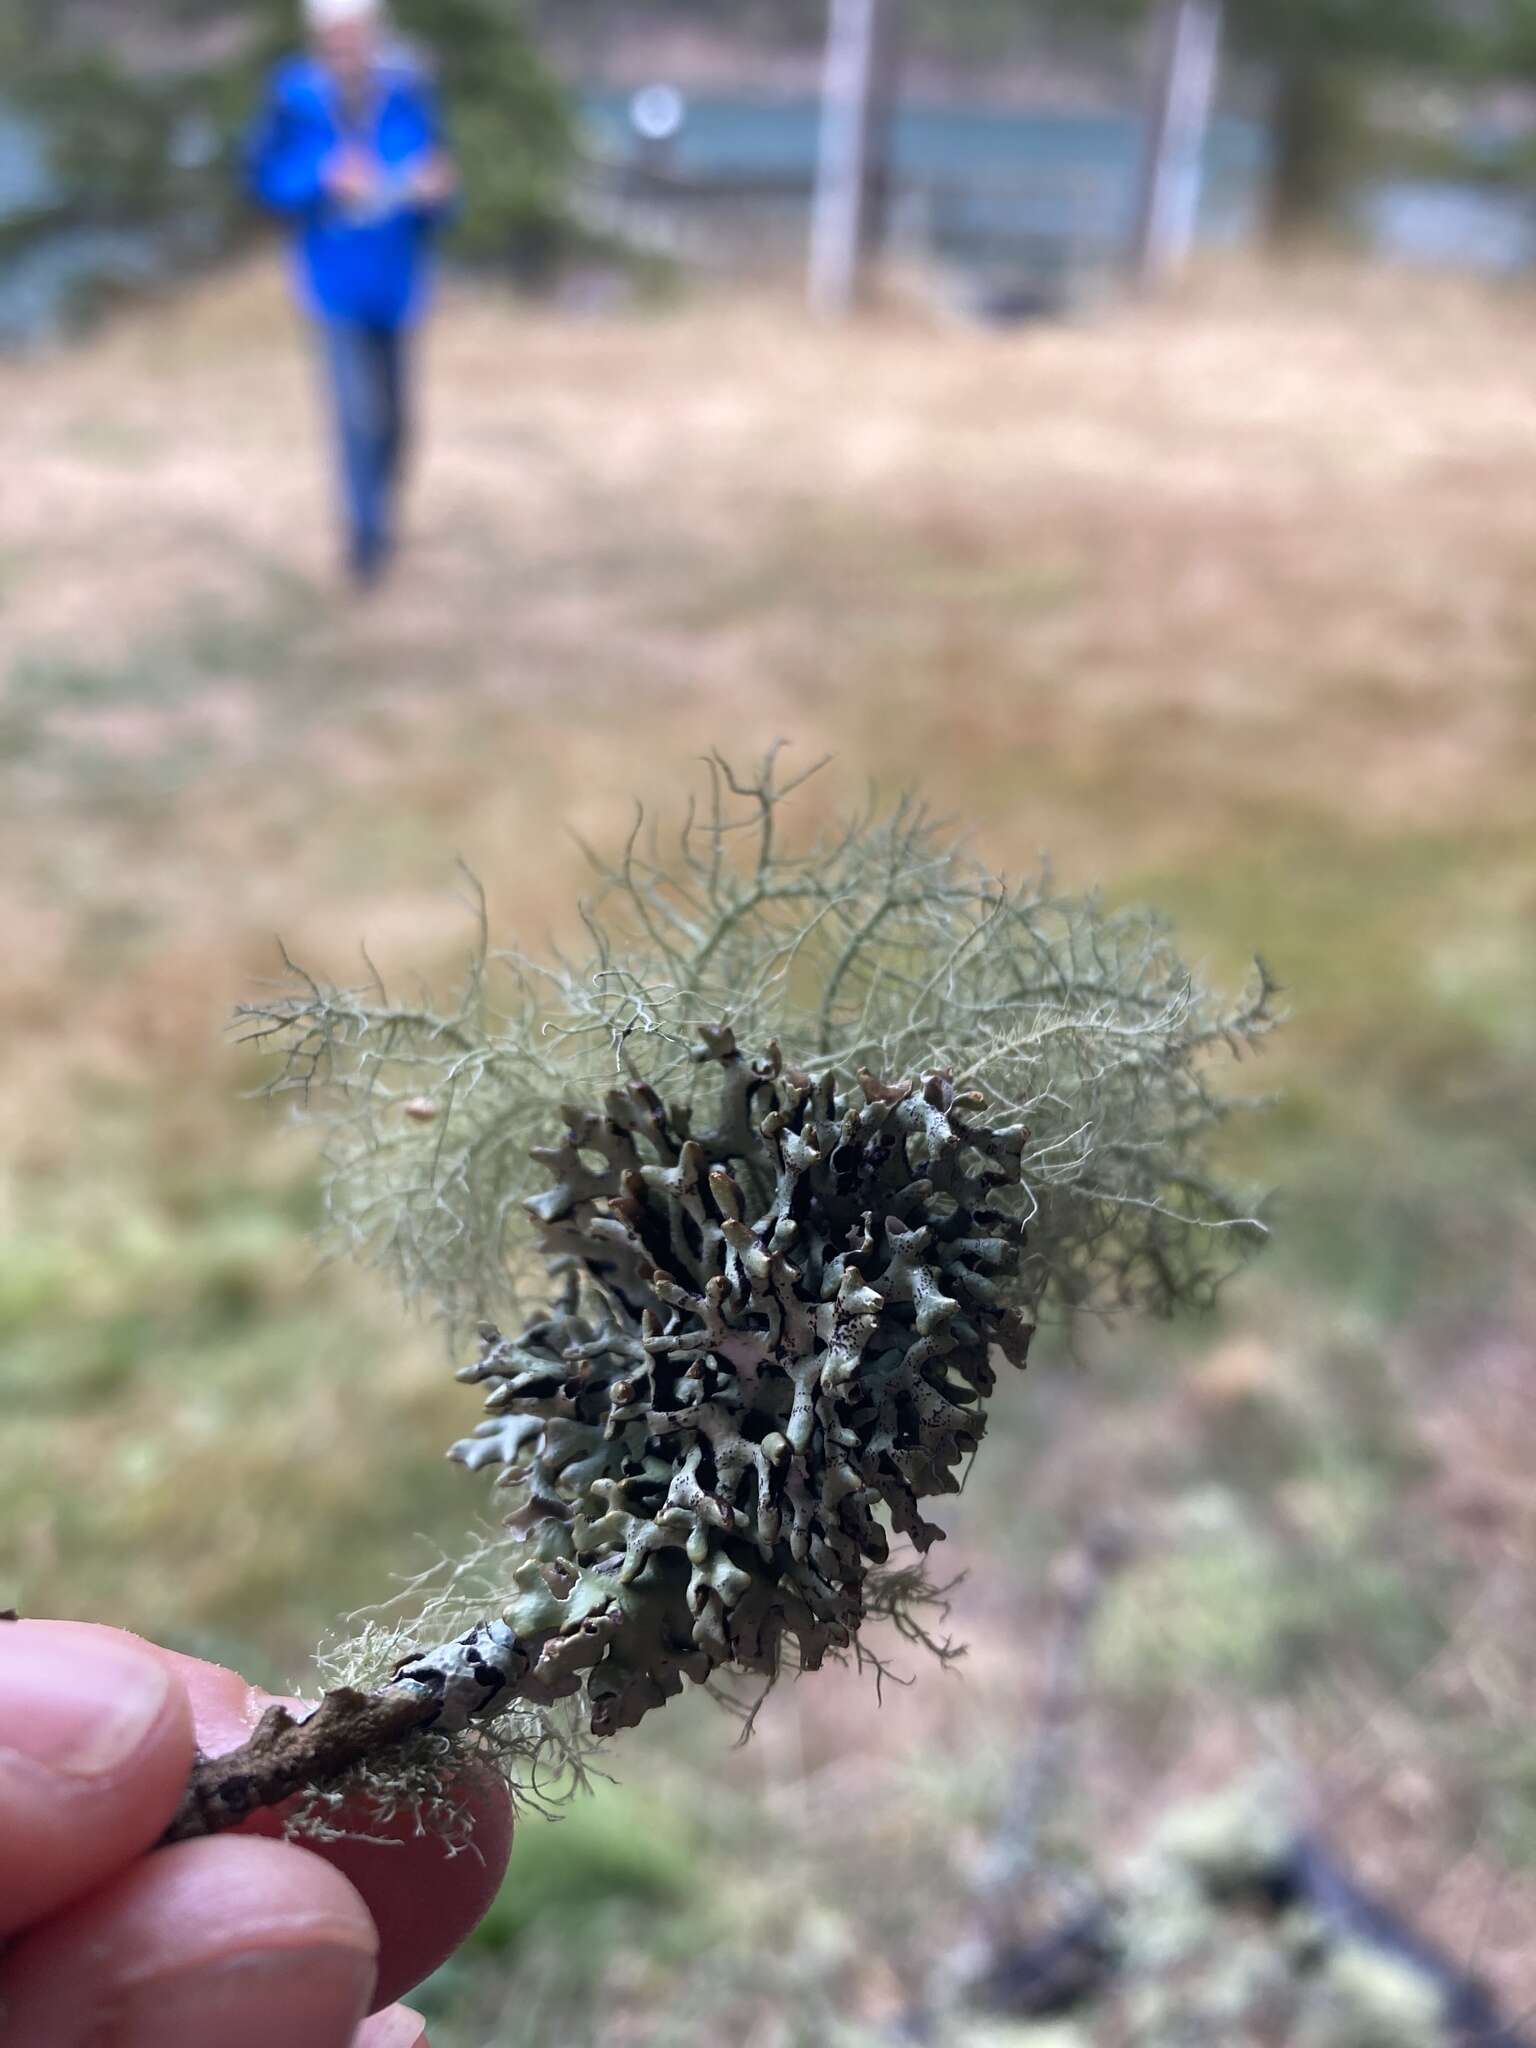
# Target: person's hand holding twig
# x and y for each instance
(242, 1942)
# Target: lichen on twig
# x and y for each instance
(824, 1130)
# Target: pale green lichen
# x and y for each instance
(1218, 1938)
(543, 1756)
(1365, 1999)
(882, 945)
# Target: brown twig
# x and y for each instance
(285, 1756)
(1042, 1771)
(444, 1690)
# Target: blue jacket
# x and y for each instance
(374, 268)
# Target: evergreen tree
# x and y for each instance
(510, 123)
(1320, 56)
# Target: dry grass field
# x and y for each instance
(1228, 603)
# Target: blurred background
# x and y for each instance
(1121, 421)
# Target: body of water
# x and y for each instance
(1071, 172)
(1439, 220)
(44, 274)
(25, 180)
(992, 178)
(986, 185)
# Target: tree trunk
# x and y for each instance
(852, 178)
(1316, 134)
(1187, 45)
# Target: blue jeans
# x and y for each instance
(368, 369)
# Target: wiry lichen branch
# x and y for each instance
(884, 945)
(822, 1132)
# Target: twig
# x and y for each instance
(1042, 1770)
(440, 1691)
(992, 1950)
(285, 1756)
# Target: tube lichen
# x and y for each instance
(771, 1342)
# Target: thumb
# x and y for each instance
(95, 1740)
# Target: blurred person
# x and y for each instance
(349, 150)
(238, 1941)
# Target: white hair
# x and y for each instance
(322, 14)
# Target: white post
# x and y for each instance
(1173, 176)
(850, 121)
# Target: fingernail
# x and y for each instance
(249, 2001)
(80, 1710)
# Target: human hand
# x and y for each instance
(434, 181)
(233, 1942)
(352, 177)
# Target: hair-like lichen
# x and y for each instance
(883, 944)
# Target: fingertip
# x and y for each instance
(399, 2027)
(225, 1706)
(242, 1941)
(425, 1894)
(95, 1745)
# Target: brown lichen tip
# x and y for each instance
(770, 1343)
